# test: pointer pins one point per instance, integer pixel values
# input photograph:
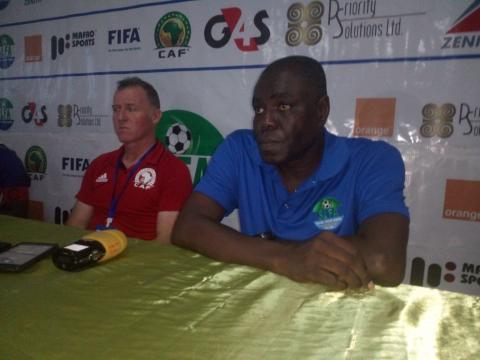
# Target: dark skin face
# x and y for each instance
(288, 123)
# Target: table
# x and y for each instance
(160, 302)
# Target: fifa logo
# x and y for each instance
(64, 115)
(304, 23)
(437, 120)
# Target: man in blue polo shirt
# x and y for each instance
(333, 206)
(14, 184)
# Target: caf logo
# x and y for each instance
(172, 30)
(304, 23)
(437, 120)
(36, 162)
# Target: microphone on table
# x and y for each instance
(93, 248)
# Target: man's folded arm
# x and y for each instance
(319, 260)
(198, 228)
(382, 240)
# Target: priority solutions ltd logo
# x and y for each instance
(465, 30)
(172, 35)
(7, 48)
(230, 23)
(78, 115)
(439, 119)
(36, 163)
(304, 23)
(345, 20)
(190, 137)
(6, 119)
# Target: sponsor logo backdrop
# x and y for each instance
(405, 72)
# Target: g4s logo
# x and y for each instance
(30, 112)
(231, 17)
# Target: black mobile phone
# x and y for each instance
(22, 255)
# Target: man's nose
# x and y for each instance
(269, 120)
(120, 115)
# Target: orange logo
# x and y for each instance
(462, 200)
(374, 117)
(33, 48)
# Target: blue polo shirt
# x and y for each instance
(357, 178)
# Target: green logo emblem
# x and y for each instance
(329, 216)
(190, 137)
(6, 119)
(6, 51)
(36, 162)
(172, 30)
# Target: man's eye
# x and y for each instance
(259, 110)
(131, 108)
(284, 107)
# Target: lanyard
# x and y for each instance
(115, 199)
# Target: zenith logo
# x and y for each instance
(467, 22)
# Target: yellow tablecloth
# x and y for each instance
(162, 302)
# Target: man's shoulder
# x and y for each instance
(241, 136)
(240, 144)
(359, 146)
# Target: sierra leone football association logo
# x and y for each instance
(6, 118)
(7, 47)
(190, 137)
(329, 216)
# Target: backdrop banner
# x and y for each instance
(405, 72)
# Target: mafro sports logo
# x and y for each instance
(329, 216)
(190, 137)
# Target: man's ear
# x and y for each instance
(323, 109)
(157, 115)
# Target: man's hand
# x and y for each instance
(327, 259)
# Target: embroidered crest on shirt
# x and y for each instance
(145, 178)
(102, 178)
(329, 216)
